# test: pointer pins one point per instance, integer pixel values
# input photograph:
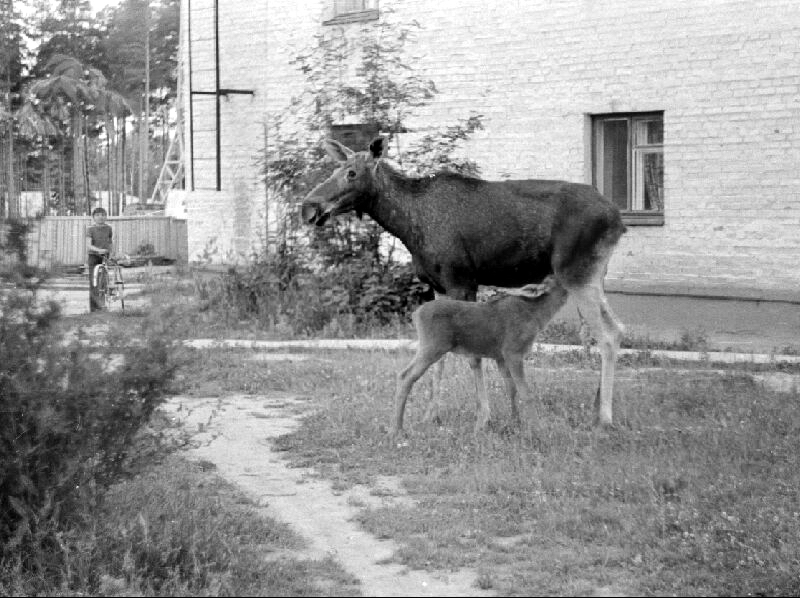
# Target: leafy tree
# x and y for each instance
(141, 39)
(90, 109)
(10, 78)
(361, 75)
(67, 28)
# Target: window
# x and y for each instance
(356, 137)
(628, 164)
(348, 11)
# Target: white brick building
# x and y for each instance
(685, 112)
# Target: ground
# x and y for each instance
(235, 434)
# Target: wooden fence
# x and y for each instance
(61, 240)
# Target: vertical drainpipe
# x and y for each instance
(216, 95)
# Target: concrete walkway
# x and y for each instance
(745, 325)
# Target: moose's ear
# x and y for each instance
(377, 147)
(337, 151)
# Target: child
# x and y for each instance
(98, 244)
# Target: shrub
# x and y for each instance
(284, 289)
(67, 425)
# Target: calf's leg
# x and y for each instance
(517, 371)
(406, 379)
(482, 400)
(435, 390)
(511, 389)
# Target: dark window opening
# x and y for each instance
(356, 137)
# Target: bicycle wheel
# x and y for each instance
(101, 286)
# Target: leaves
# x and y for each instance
(66, 423)
(365, 76)
(31, 123)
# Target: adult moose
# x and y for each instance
(462, 232)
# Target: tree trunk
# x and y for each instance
(46, 179)
(77, 192)
(145, 165)
(62, 187)
(123, 165)
(109, 193)
(13, 200)
(85, 173)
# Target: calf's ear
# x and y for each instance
(377, 147)
(337, 151)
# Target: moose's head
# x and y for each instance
(350, 187)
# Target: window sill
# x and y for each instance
(353, 17)
(643, 218)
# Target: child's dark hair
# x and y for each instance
(99, 211)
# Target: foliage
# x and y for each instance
(81, 84)
(359, 75)
(283, 290)
(16, 239)
(362, 74)
(68, 423)
(123, 46)
(66, 28)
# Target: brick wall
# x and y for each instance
(724, 73)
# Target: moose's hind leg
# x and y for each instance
(607, 330)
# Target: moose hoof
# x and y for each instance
(604, 423)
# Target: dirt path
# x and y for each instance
(235, 434)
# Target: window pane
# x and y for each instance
(654, 181)
(649, 183)
(649, 131)
(613, 161)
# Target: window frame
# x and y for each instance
(634, 151)
(352, 16)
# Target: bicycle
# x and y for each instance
(108, 283)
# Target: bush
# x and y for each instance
(67, 426)
(283, 289)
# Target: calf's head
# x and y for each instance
(351, 186)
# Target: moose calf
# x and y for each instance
(503, 328)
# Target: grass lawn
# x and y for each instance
(695, 492)
(178, 529)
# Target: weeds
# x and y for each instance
(289, 298)
(176, 531)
